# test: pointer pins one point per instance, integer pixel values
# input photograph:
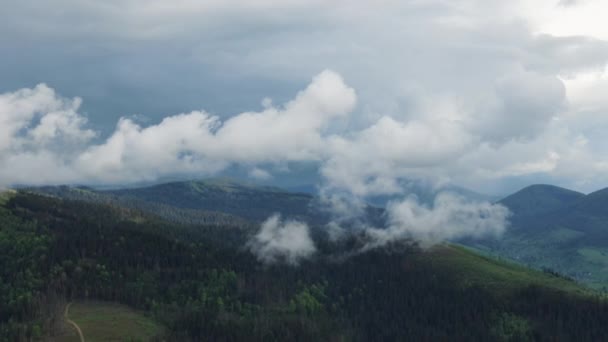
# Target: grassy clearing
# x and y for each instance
(598, 256)
(6, 195)
(562, 235)
(489, 272)
(102, 321)
(67, 334)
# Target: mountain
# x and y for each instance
(200, 285)
(557, 229)
(551, 227)
(221, 200)
(540, 199)
(594, 204)
(211, 201)
(204, 202)
(248, 201)
(425, 192)
(171, 213)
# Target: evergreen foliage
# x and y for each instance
(202, 285)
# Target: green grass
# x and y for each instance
(66, 334)
(474, 269)
(6, 195)
(598, 256)
(83, 191)
(230, 186)
(561, 235)
(102, 321)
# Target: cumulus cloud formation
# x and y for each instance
(450, 217)
(525, 129)
(200, 142)
(41, 136)
(370, 162)
(36, 120)
(281, 241)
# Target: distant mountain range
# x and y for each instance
(211, 201)
(217, 199)
(551, 227)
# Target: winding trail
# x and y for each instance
(67, 308)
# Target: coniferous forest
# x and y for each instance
(201, 284)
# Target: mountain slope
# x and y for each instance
(551, 227)
(202, 288)
(171, 213)
(243, 200)
(540, 199)
(215, 201)
(595, 204)
(559, 229)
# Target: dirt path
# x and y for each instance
(67, 308)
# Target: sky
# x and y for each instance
(486, 94)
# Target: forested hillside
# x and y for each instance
(201, 284)
(557, 229)
(210, 202)
(199, 216)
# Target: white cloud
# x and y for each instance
(451, 217)
(199, 142)
(524, 128)
(579, 17)
(282, 242)
(373, 159)
(46, 129)
(292, 132)
(259, 174)
(522, 106)
(41, 135)
(31, 119)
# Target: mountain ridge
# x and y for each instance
(201, 286)
(538, 199)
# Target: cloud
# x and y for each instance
(282, 242)
(524, 127)
(41, 136)
(450, 217)
(44, 130)
(34, 118)
(372, 160)
(522, 105)
(567, 55)
(199, 142)
(259, 174)
(290, 133)
(567, 3)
